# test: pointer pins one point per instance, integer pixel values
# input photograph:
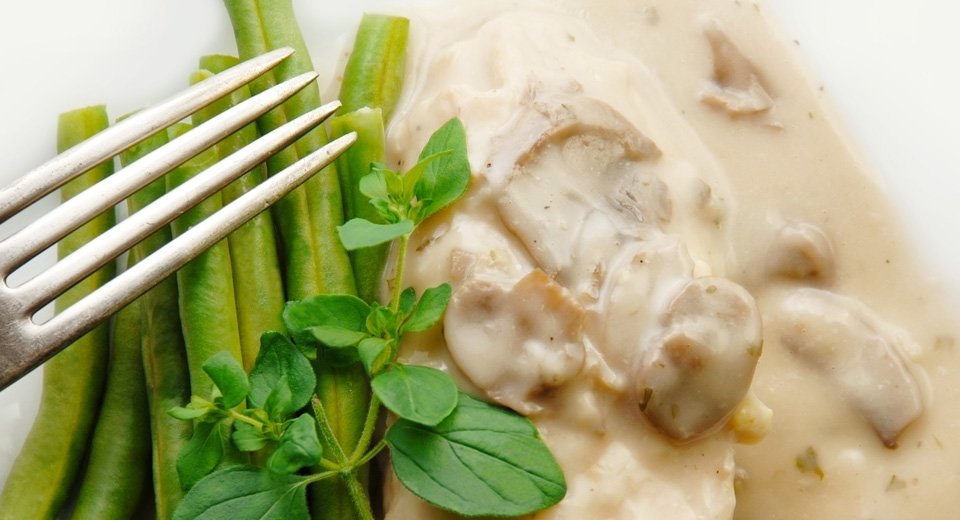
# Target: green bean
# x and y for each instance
(372, 80)
(208, 313)
(117, 470)
(73, 379)
(164, 354)
(373, 76)
(253, 254)
(368, 263)
(259, 26)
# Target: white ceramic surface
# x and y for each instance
(889, 66)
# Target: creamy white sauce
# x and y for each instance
(709, 153)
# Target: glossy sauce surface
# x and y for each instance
(651, 183)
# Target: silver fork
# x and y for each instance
(24, 343)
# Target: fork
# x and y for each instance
(24, 343)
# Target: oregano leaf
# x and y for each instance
(281, 376)
(372, 351)
(482, 460)
(333, 336)
(408, 298)
(420, 394)
(446, 178)
(255, 492)
(229, 377)
(340, 310)
(247, 437)
(299, 447)
(186, 413)
(201, 454)
(358, 233)
(429, 309)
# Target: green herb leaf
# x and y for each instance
(247, 437)
(408, 298)
(243, 490)
(280, 404)
(429, 309)
(358, 233)
(382, 322)
(413, 175)
(420, 394)
(446, 178)
(373, 353)
(227, 373)
(186, 413)
(333, 336)
(281, 376)
(339, 310)
(299, 447)
(201, 454)
(480, 461)
(374, 185)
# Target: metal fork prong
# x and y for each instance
(45, 231)
(43, 288)
(54, 173)
(47, 339)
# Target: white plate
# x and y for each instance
(888, 65)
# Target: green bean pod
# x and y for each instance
(260, 26)
(164, 354)
(369, 262)
(208, 313)
(253, 254)
(48, 463)
(116, 473)
(373, 76)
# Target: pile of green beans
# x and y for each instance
(103, 434)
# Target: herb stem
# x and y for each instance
(322, 475)
(359, 497)
(249, 420)
(398, 277)
(369, 425)
(377, 448)
(326, 432)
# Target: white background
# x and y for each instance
(890, 66)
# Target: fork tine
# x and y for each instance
(54, 335)
(43, 288)
(54, 173)
(45, 231)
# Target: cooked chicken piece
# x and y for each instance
(858, 353)
(515, 342)
(698, 370)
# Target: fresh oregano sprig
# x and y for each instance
(449, 449)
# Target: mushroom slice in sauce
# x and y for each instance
(587, 173)
(700, 367)
(515, 342)
(802, 251)
(736, 86)
(857, 353)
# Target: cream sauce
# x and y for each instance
(624, 153)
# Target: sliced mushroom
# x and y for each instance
(858, 353)
(802, 251)
(736, 86)
(639, 286)
(515, 342)
(585, 177)
(699, 369)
